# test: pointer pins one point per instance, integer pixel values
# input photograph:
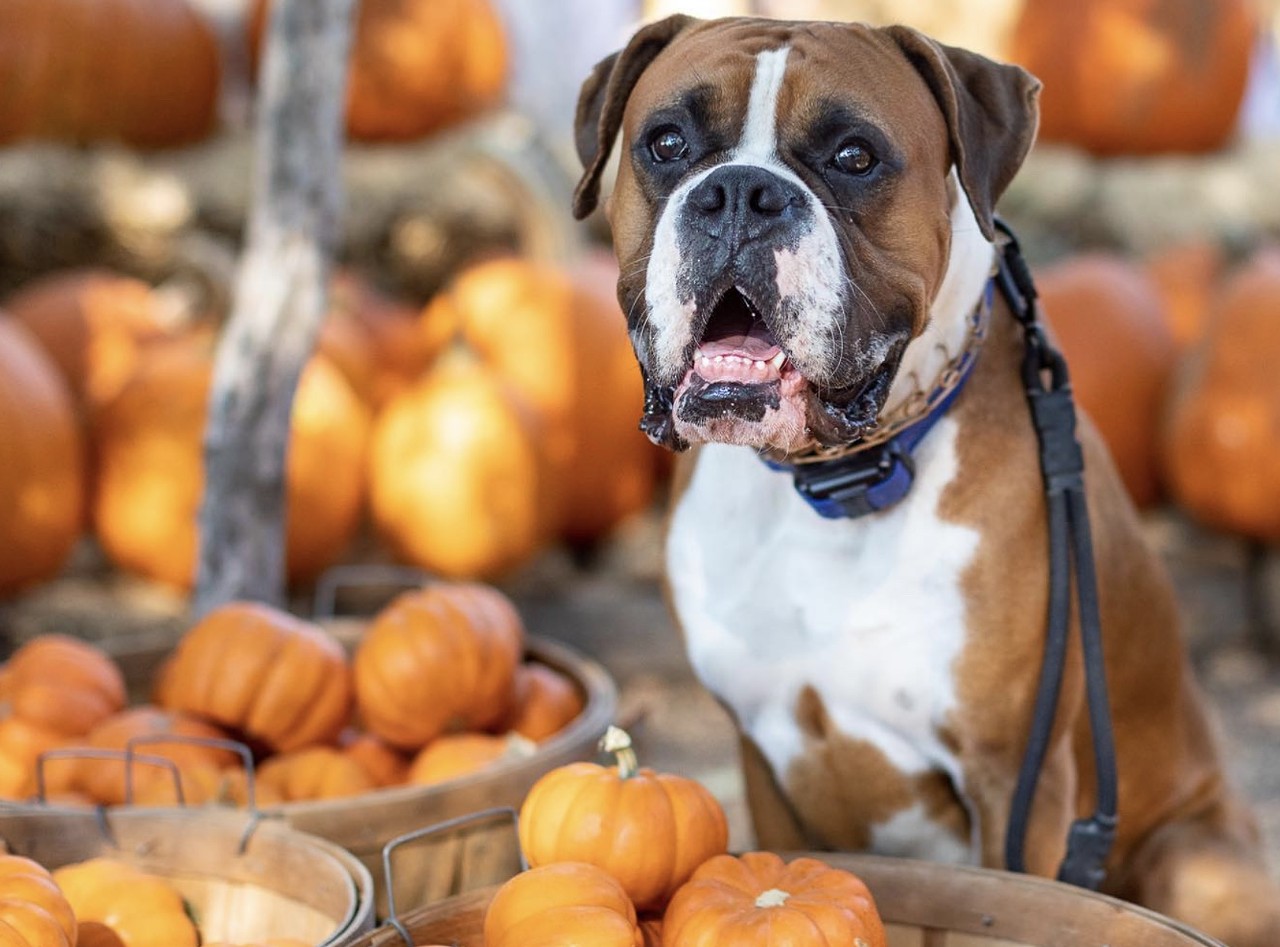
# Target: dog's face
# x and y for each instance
(781, 214)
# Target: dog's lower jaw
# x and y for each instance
(658, 421)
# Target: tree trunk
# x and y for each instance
(279, 301)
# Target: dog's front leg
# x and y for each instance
(772, 817)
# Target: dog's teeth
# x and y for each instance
(759, 366)
(719, 358)
(777, 360)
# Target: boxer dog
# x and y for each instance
(803, 217)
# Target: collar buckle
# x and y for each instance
(859, 484)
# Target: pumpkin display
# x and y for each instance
(268, 676)
(154, 85)
(566, 902)
(1187, 276)
(561, 342)
(34, 912)
(1222, 441)
(41, 463)
(758, 898)
(544, 702)
(62, 684)
(437, 657)
(457, 477)
(416, 65)
(1111, 324)
(150, 467)
(460, 754)
(649, 830)
(315, 772)
(140, 908)
(1137, 76)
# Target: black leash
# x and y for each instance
(1044, 373)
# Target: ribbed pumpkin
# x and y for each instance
(1137, 76)
(460, 754)
(545, 702)
(760, 899)
(565, 903)
(1222, 446)
(416, 65)
(649, 830)
(142, 909)
(154, 85)
(1111, 323)
(562, 343)
(61, 683)
(1188, 276)
(457, 477)
(384, 764)
(150, 466)
(263, 673)
(41, 464)
(21, 744)
(315, 772)
(33, 911)
(435, 658)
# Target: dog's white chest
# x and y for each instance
(869, 613)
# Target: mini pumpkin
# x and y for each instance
(142, 909)
(21, 744)
(385, 765)
(758, 898)
(460, 754)
(438, 657)
(263, 673)
(649, 830)
(316, 772)
(545, 702)
(567, 902)
(34, 912)
(62, 684)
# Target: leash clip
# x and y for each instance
(1088, 843)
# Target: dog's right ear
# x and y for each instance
(604, 97)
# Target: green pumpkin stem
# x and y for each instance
(618, 742)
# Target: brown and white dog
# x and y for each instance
(803, 220)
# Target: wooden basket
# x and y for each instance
(923, 905)
(246, 879)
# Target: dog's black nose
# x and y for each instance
(742, 200)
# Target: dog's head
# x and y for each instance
(782, 215)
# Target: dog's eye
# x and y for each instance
(854, 157)
(668, 144)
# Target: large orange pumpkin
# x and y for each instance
(262, 672)
(1222, 444)
(439, 657)
(1188, 277)
(416, 65)
(760, 899)
(150, 466)
(568, 902)
(61, 683)
(155, 84)
(649, 830)
(33, 911)
(41, 464)
(1137, 76)
(457, 477)
(1111, 323)
(142, 909)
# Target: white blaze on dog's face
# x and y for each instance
(781, 219)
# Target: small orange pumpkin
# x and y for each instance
(759, 898)
(142, 909)
(316, 772)
(33, 911)
(21, 744)
(437, 657)
(262, 672)
(460, 754)
(385, 765)
(649, 830)
(545, 702)
(62, 683)
(568, 902)
(1188, 277)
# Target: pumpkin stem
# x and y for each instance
(773, 898)
(618, 742)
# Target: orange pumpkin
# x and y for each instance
(150, 466)
(416, 65)
(1111, 324)
(457, 477)
(545, 702)
(21, 744)
(272, 677)
(568, 902)
(154, 85)
(760, 899)
(33, 911)
(385, 765)
(649, 830)
(316, 772)
(1137, 76)
(437, 657)
(1188, 276)
(41, 463)
(61, 683)
(143, 910)
(461, 754)
(1222, 441)
(93, 934)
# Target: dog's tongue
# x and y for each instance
(756, 343)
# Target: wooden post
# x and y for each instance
(279, 301)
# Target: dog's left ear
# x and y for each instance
(604, 98)
(992, 113)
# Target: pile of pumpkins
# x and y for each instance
(437, 688)
(622, 856)
(474, 432)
